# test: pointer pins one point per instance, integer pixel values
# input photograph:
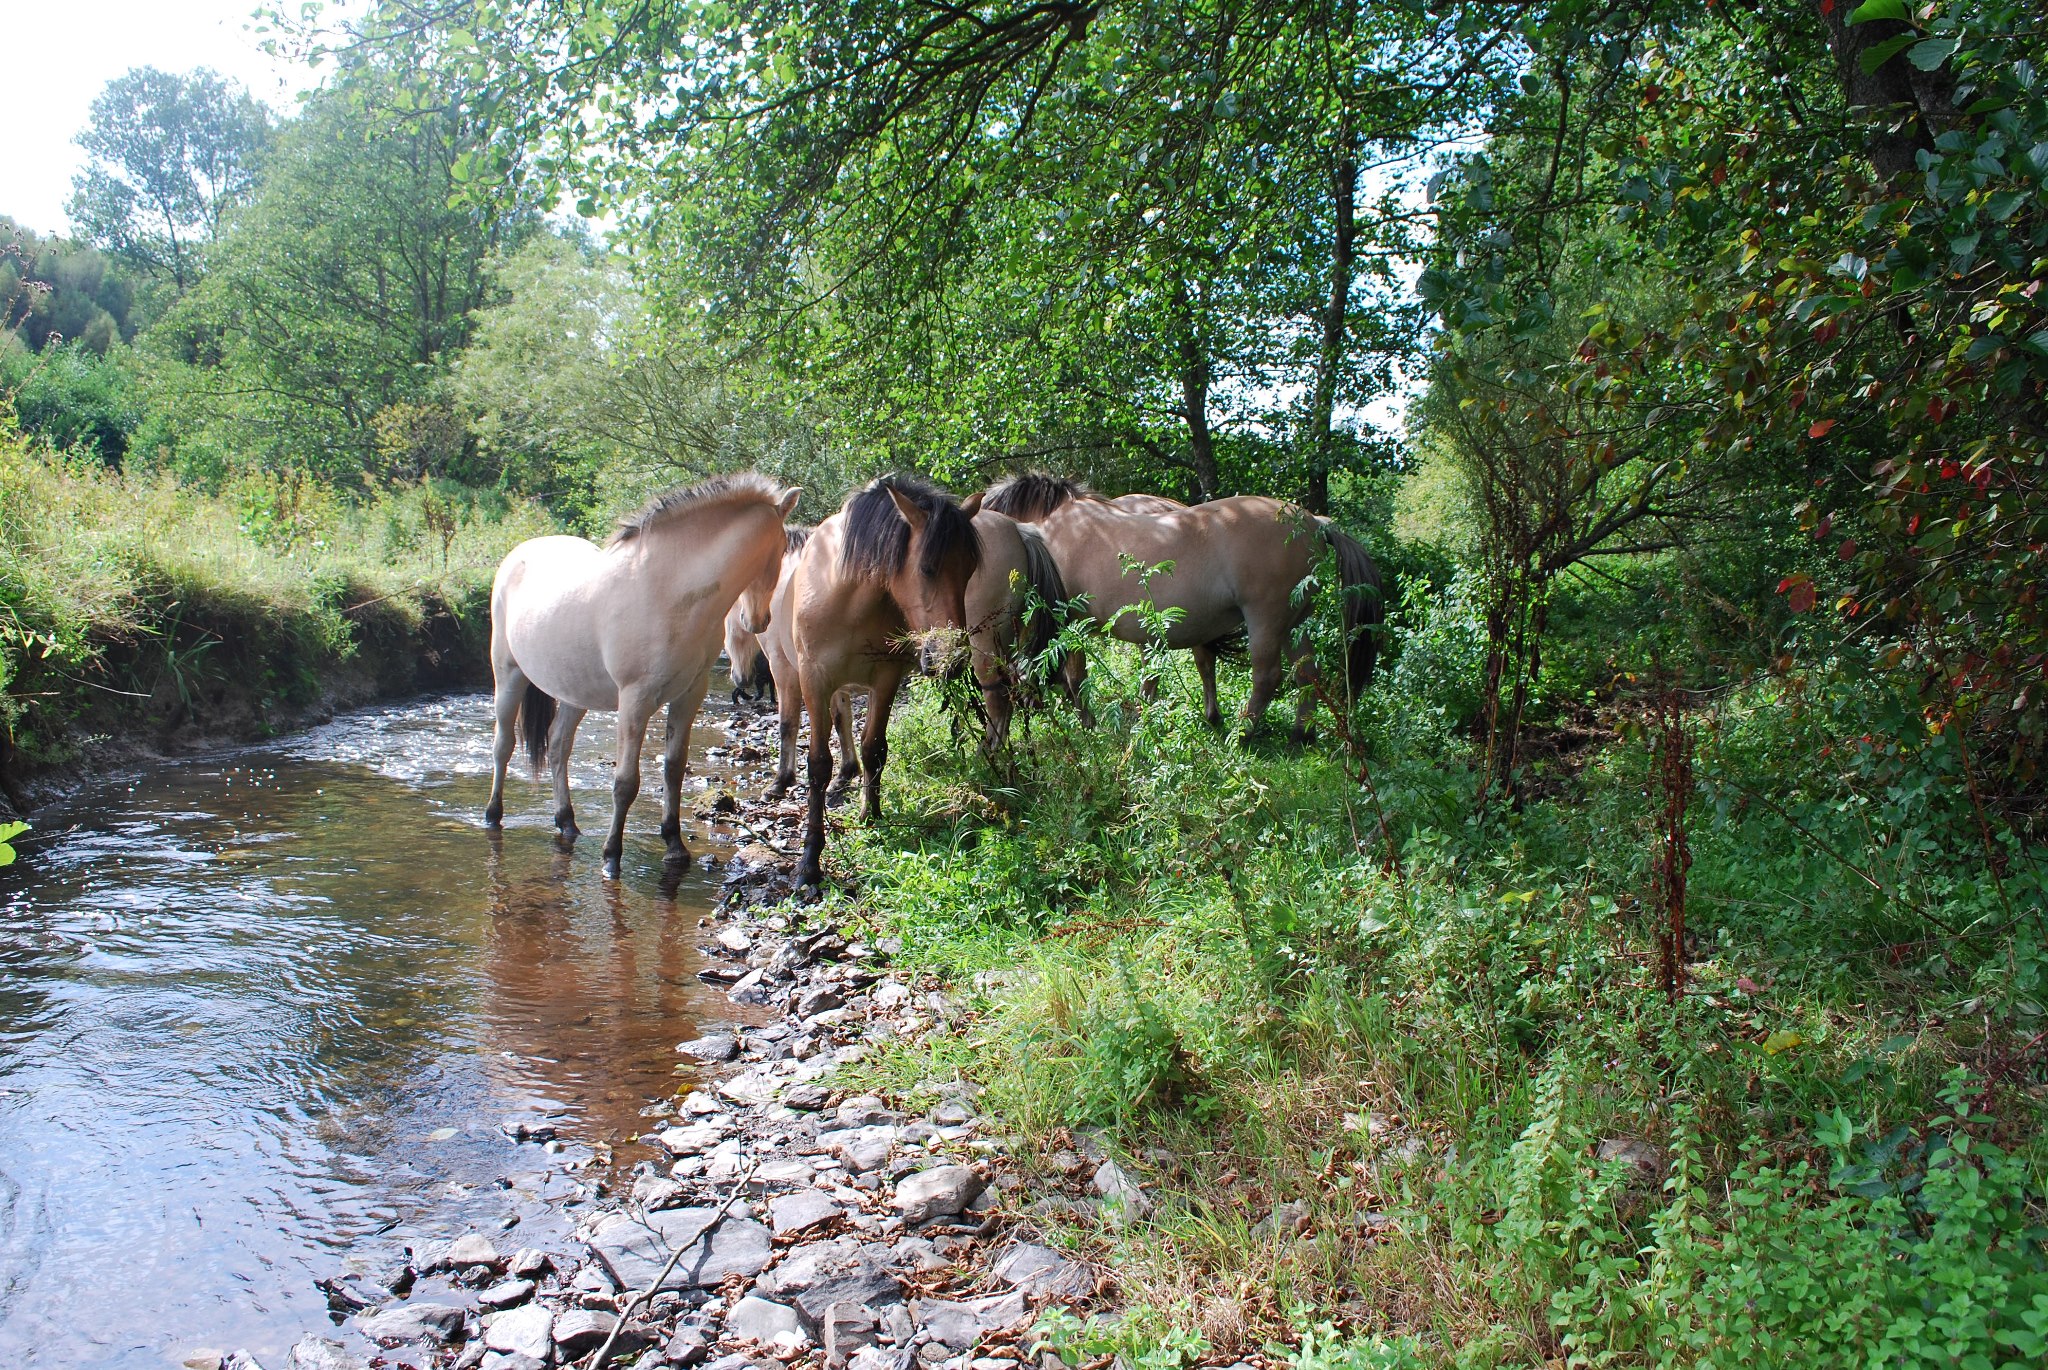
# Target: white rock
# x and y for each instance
(939, 1192)
(524, 1331)
(691, 1139)
(801, 1211)
(1121, 1191)
(318, 1353)
(436, 1322)
(773, 1325)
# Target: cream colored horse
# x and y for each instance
(634, 626)
(891, 566)
(1234, 566)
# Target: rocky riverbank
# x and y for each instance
(791, 1220)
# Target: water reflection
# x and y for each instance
(260, 1009)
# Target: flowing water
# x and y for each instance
(265, 1013)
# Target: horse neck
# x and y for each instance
(724, 546)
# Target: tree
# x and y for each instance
(347, 284)
(575, 396)
(168, 157)
(1125, 230)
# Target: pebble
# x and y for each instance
(584, 1329)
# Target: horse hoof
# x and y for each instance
(775, 793)
(835, 799)
(611, 868)
(677, 858)
(494, 818)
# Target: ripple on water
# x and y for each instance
(258, 1009)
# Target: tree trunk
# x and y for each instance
(1910, 106)
(1194, 397)
(1323, 447)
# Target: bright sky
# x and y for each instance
(63, 54)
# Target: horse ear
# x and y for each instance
(787, 503)
(912, 514)
(971, 505)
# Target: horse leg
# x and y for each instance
(998, 702)
(817, 702)
(504, 738)
(874, 741)
(634, 714)
(560, 741)
(1305, 674)
(1205, 666)
(1073, 673)
(1268, 641)
(675, 764)
(849, 756)
(787, 706)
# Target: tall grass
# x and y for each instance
(137, 593)
(1511, 1147)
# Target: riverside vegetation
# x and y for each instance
(1650, 968)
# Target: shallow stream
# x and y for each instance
(268, 1011)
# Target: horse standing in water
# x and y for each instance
(634, 626)
(892, 565)
(1235, 565)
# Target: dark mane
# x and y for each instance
(737, 486)
(878, 540)
(795, 535)
(1031, 496)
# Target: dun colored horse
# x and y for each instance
(1234, 566)
(746, 652)
(1004, 627)
(891, 566)
(634, 626)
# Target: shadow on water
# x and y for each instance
(264, 1012)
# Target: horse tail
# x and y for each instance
(1042, 574)
(1364, 606)
(537, 720)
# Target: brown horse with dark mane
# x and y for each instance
(1229, 566)
(879, 590)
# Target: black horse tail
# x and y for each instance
(537, 720)
(1364, 607)
(1048, 588)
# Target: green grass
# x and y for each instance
(1202, 950)
(137, 604)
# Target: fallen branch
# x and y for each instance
(739, 1187)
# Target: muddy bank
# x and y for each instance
(777, 1215)
(206, 672)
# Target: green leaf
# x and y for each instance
(1870, 11)
(8, 832)
(1932, 53)
(1878, 54)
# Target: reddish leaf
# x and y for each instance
(1848, 549)
(1821, 428)
(1827, 6)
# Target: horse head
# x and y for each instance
(931, 587)
(914, 539)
